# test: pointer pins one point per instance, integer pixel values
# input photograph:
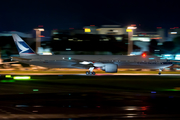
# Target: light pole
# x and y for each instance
(130, 42)
(38, 37)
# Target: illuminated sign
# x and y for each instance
(87, 30)
(128, 30)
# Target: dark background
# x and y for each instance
(24, 15)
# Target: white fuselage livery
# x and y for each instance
(70, 61)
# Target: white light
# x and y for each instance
(47, 53)
(144, 39)
(55, 33)
(177, 57)
(115, 30)
(173, 32)
(63, 58)
(118, 38)
(160, 44)
(131, 27)
(68, 48)
(130, 108)
(167, 55)
(70, 39)
(79, 40)
(40, 29)
(56, 38)
(85, 62)
(130, 116)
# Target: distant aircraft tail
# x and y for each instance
(22, 46)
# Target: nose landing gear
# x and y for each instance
(160, 70)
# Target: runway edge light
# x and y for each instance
(8, 76)
(21, 77)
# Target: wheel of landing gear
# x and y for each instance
(93, 73)
(87, 72)
(159, 73)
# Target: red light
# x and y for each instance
(41, 36)
(144, 55)
(40, 26)
(133, 25)
(98, 68)
(144, 108)
(92, 25)
(71, 28)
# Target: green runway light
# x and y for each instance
(4, 81)
(35, 90)
(22, 77)
(8, 76)
(170, 90)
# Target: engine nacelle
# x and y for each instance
(98, 64)
(110, 68)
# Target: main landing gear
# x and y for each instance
(90, 72)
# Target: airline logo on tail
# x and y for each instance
(22, 47)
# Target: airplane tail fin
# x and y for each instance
(22, 46)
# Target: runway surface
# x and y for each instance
(75, 95)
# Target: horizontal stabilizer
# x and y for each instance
(18, 58)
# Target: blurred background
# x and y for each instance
(91, 28)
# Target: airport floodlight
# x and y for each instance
(130, 27)
(40, 29)
(38, 39)
(130, 42)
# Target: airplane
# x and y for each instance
(6, 65)
(107, 63)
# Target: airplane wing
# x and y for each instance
(9, 62)
(81, 63)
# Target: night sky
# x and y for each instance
(24, 15)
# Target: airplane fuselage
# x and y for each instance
(122, 61)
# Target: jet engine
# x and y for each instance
(110, 68)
